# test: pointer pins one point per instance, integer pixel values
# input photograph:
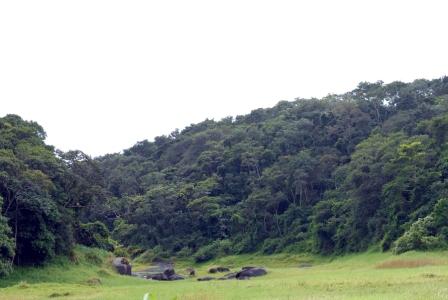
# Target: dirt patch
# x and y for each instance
(409, 263)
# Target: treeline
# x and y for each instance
(45, 197)
(331, 175)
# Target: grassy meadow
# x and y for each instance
(413, 275)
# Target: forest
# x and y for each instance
(344, 173)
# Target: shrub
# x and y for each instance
(270, 246)
(95, 234)
(440, 213)
(121, 251)
(245, 245)
(418, 237)
(215, 249)
(206, 253)
(185, 252)
(225, 247)
(6, 245)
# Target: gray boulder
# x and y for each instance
(250, 272)
(122, 266)
(207, 278)
(167, 275)
(169, 272)
(176, 277)
(158, 276)
(229, 276)
(218, 270)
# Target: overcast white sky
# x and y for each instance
(102, 75)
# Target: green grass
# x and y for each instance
(413, 275)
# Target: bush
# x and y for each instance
(427, 233)
(96, 235)
(185, 252)
(215, 249)
(440, 213)
(245, 245)
(225, 247)
(6, 245)
(121, 251)
(270, 246)
(418, 237)
(206, 253)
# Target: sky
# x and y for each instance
(101, 75)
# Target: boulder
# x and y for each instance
(229, 276)
(158, 276)
(207, 278)
(169, 272)
(191, 272)
(176, 277)
(167, 275)
(218, 269)
(250, 272)
(122, 266)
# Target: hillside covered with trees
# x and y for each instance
(340, 174)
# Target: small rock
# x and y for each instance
(222, 269)
(228, 276)
(176, 277)
(191, 272)
(218, 269)
(207, 278)
(167, 275)
(158, 276)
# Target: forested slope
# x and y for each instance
(329, 175)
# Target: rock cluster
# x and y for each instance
(167, 275)
(218, 270)
(245, 273)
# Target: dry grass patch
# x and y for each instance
(93, 281)
(410, 263)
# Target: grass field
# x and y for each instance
(413, 275)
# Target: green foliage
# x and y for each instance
(44, 195)
(429, 233)
(6, 246)
(96, 235)
(213, 250)
(31, 184)
(418, 237)
(121, 251)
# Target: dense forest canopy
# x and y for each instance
(331, 175)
